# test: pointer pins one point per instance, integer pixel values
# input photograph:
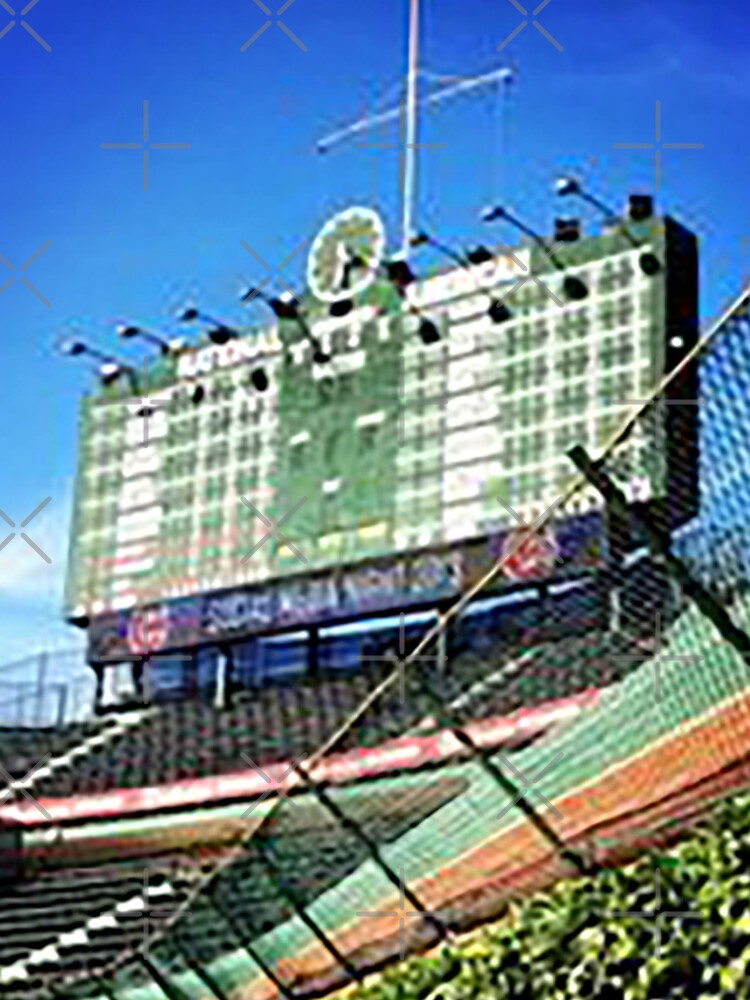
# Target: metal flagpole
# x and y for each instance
(410, 179)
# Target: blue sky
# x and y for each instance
(251, 118)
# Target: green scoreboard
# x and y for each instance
(196, 482)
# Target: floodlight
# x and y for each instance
(574, 288)
(71, 348)
(640, 208)
(499, 312)
(221, 335)
(259, 379)
(400, 274)
(428, 331)
(492, 213)
(566, 186)
(128, 332)
(479, 255)
(74, 348)
(109, 372)
(287, 306)
(109, 369)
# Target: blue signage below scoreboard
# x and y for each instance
(385, 586)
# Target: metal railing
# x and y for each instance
(46, 690)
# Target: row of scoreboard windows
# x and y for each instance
(518, 375)
(534, 406)
(613, 386)
(421, 438)
(517, 453)
(506, 349)
(425, 516)
(603, 278)
(517, 337)
(418, 516)
(567, 323)
(528, 403)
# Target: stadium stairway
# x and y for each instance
(60, 932)
(464, 846)
(51, 755)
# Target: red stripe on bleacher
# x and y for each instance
(403, 754)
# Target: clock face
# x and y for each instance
(346, 255)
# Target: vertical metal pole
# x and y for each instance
(221, 678)
(410, 152)
(62, 705)
(442, 648)
(41, 676)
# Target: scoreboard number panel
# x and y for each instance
(394, 446)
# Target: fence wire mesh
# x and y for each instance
(327, 882)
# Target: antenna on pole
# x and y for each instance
(414, 101)
(411, 179)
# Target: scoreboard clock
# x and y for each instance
(346, 255)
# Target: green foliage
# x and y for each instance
(582, 939)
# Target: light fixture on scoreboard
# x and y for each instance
(218, 333)
(110, 369)
(401, 276)
(497, 310)
(640, 208)
(566, 186)
(287, 306)
(166, 347)
(574, 288)
(479, 255)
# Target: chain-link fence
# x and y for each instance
(330, 881)
(46, 690)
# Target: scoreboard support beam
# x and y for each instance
(138, 685)
(616, 531)
(98, 667)
(223, 673)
